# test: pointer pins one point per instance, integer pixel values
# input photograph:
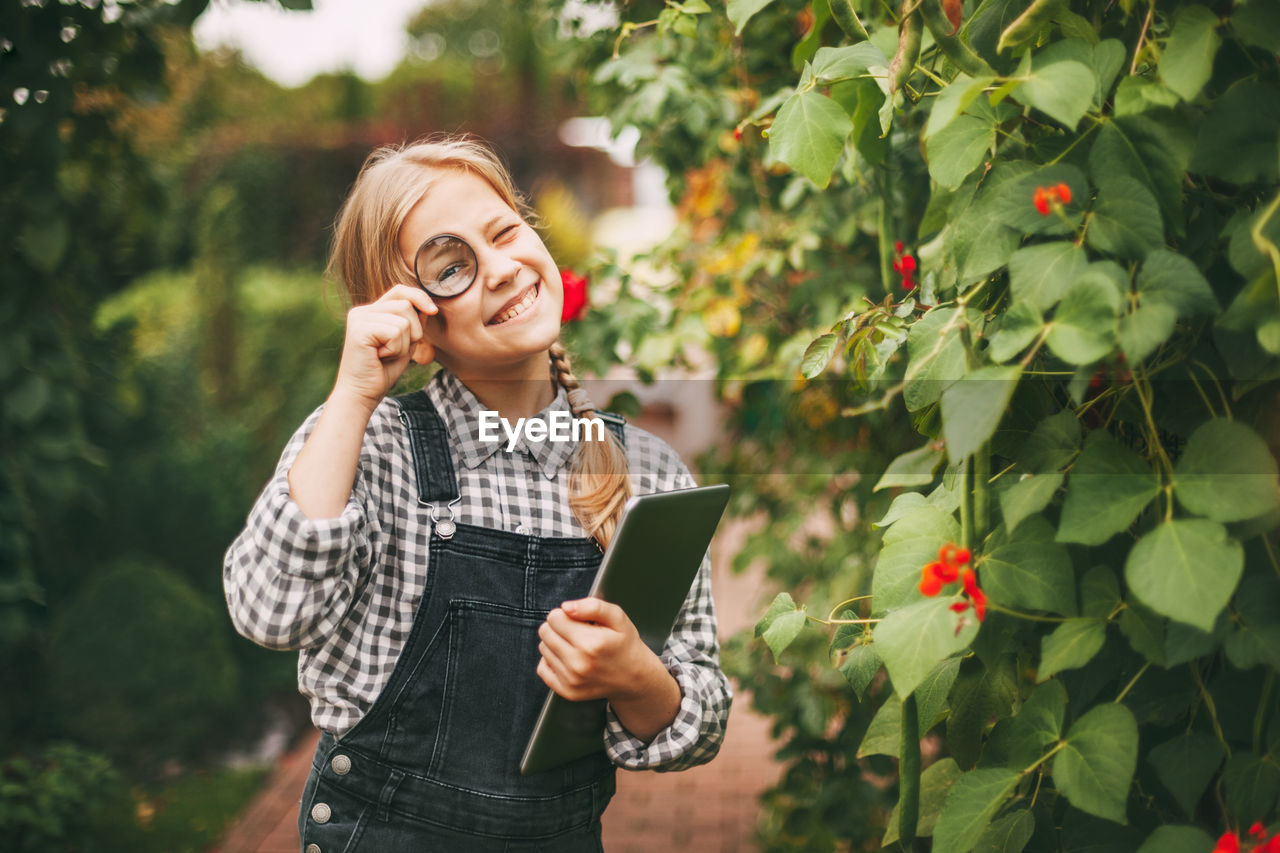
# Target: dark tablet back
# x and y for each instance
(647, 570)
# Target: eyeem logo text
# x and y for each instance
(561, 426)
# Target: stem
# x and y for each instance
(991, 605)
(966, 515)
(1133, 681)
(1045, 757)
(981, 504)
(1226, 406)
(846, 601)
(886, 245)
(1208, 703)
(1006, 470)
(909, 775)
(1142, 36)
(1260, 718)
(1204, 398)
(1271, 554)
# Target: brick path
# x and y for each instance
(710, 808)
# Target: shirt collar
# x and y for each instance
(460, 409)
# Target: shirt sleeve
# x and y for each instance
(289, 579)
(692, 656)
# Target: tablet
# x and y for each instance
(647, 570)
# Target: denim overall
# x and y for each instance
(435, 762)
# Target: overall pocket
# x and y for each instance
(493, 696)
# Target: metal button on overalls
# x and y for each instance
(435, 762)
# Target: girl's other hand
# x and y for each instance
(381, 339)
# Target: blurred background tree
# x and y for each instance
(164, 327)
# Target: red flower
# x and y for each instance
(930, 584)
(904, 265)
(1045, 197)
(737, 133)
(575, 296)
(1272, 846)
(976, 595)
(1041, 200)
(1257, 830)
(1228, 843)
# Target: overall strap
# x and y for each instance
(429, 443)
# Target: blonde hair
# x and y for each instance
(365, 257)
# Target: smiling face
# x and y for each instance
(506, 320)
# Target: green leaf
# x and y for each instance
(1015, 200)
(936, 357)
(983, 692)
(784, 629)
(1186, 570)
(1257, 22)
(1243, 121)
(901, 506)
(1187, 60)
(1174, 280)
(1153, 149)
(979, 241)
(974, 799)
(781, 623)
(1144, 329)
(1126, 219)
(831, 64)
(1019, 326)
(1052, 444)
(1177, 839)
(884, 732)
(1041, 274)
(1095, 768)
(1061, 90)
(1251, 783)
(1027, 497)
(973, 406)
(1038, 724)
(1071, 645)
(740, 11)
(1030, 571)
(953, 100)
(959, 148)
(1009, 834)
(1109, 486)
(1185, 765)
(1226, 473)
(818, 355)
(913, 468)
(1099, 593)
(908, 545)
(914, 639)
(1255, 638)
(1083, 328)
(860, 667)
(935, 784)
(809, 133)
(1145, 631)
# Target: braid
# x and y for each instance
(599, 484)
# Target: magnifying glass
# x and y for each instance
(445, 265)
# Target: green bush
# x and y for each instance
(139, 666)
(54, 801)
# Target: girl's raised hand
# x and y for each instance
(381, 339)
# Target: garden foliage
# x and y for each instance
(1066, 216)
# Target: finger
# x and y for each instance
(549, 678)
(572, 631)
(595, 610)
(414, 294)
(560, 647)
(403, 309)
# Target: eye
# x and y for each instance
(507, 232)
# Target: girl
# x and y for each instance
(433, 581)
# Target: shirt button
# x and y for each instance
(520, 528)
(313, 848)
(321, 813)
(341, 765)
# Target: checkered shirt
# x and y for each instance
(344, 591)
